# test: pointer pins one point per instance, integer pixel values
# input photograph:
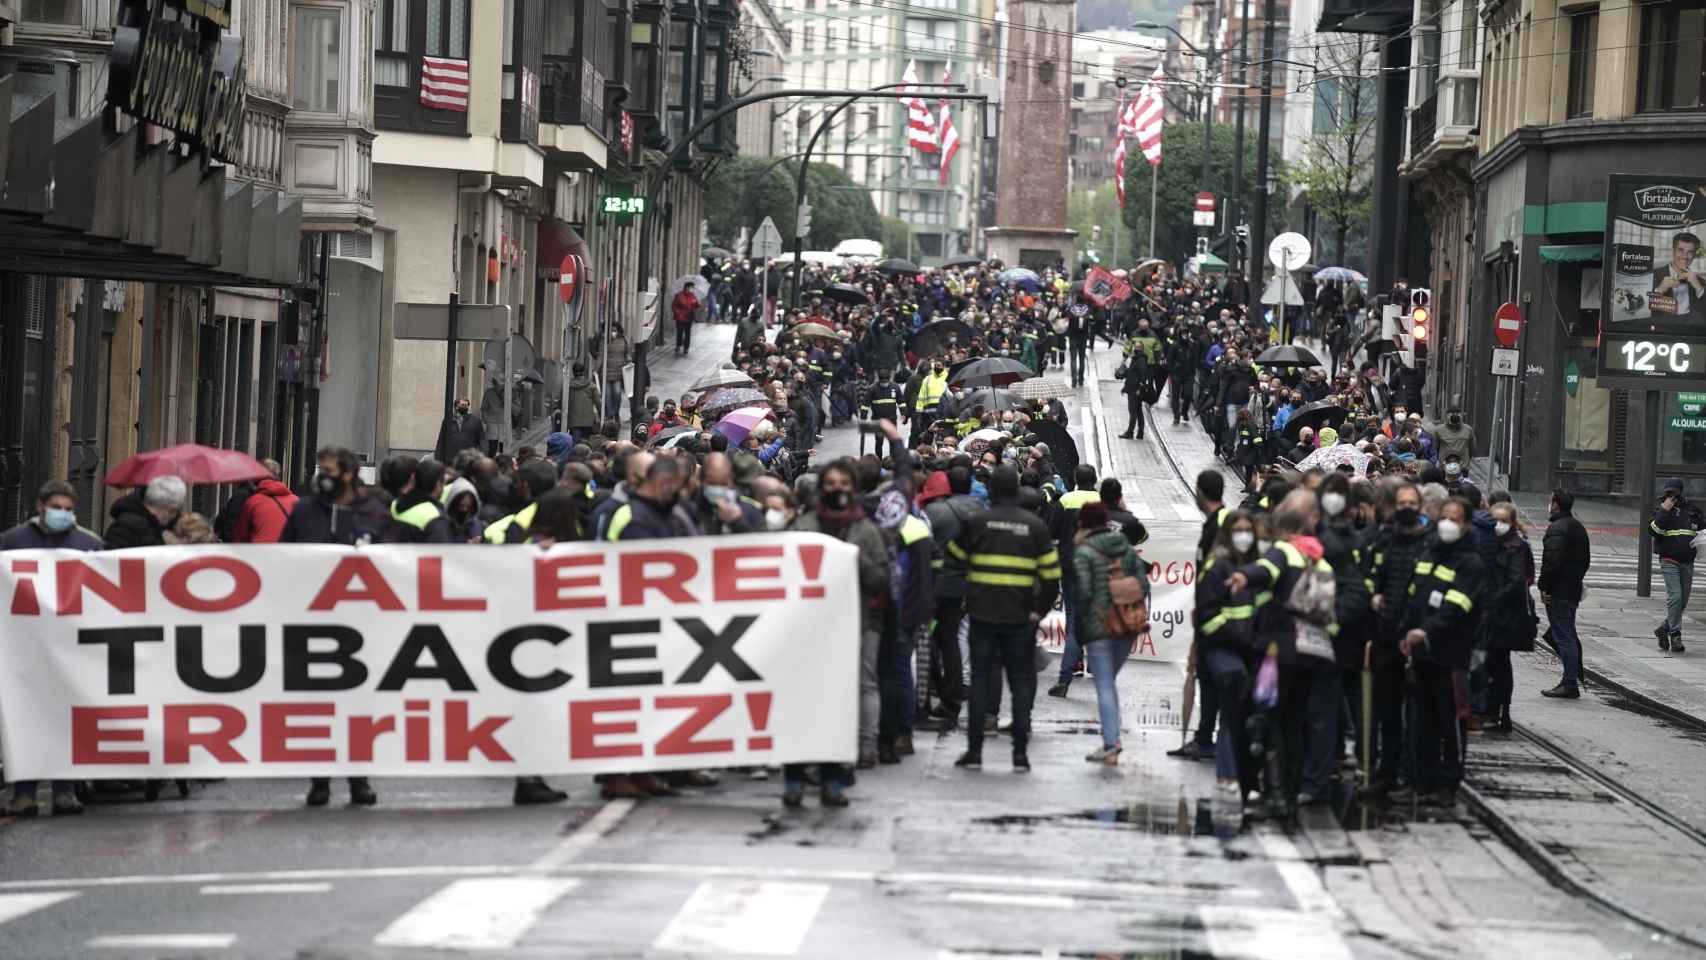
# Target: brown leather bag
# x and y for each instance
(1128, 606)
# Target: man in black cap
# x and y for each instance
(1675, 522)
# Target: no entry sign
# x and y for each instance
(1507, 324)
(569, 278)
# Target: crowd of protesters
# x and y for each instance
(969, 529)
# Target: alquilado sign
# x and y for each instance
(174, 66)
(1691, 413)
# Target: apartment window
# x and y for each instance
(67, 13)
(852, 39)
(404, 32)
(1673, 36)
(810, 41)
(829, 37)
(1584, 44)
(929, 35)
(317, 35)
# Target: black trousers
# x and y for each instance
(1012, 647)
(1439, 736)
(1182, 392)
(1079, 345)
(1232, 689)
(1500, 682)
(683, 336)
(1134, 414)
(1388, 715)
(946, 670)
(1208, 702)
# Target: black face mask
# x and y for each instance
(1407, 516)
(327, 487)
(836, 500)
(1454, 420)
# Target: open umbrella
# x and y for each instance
(1335, 456)
(721, 377)
(191, 461)
(991, 372)
(667, 434)
(737, 424)
(1287, 355)
(963, 260)
(1339, 274)
(845, 293)
(716, 253)
(933, 338)
(897, 265)
(991, 400)
(1020, 275)
(1143, 271)
(1321, 413)
(978, 441)
(810, 330)
(721, 401)
(1041, 388)
(701, 286)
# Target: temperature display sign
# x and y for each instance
(1656, 360)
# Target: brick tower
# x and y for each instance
(1036, 109)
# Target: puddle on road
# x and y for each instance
(1627, 705)
(1182, 819)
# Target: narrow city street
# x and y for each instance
(1071, 860)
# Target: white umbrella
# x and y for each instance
(1331, 458)
(701, 286)
(981, 438)
(1040, 388)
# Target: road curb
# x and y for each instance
(1673, 714)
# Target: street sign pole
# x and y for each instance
(509, 383)
(450, 358)
(1644, 495)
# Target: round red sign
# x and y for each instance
(1507, 324)
(569, 278)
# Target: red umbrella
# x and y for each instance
(191, 461)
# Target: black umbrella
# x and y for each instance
(1321, 413)
(1287, 355)
(1061, 449)
(991, 400)
(716, 253)
(932, 338)
(963, 260)
(991, 372)
(845, 293)
(897, 265)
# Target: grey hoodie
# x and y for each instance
(471, 529)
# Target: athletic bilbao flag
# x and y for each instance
(1119, 151)
(949, 136)
(1146, 116)
(920, 126)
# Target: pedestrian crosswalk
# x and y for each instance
(482, 913)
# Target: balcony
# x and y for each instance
(1364, 16)
(1440, 125)
(574, 124)
(1423, 121)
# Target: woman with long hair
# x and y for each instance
(1102, 552)
(1223, 622)
(1509, 615)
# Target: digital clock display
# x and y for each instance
(624, 206)
(1655, 357)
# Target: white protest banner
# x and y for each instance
(1172, 597)
(269, 661)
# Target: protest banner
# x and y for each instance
(1172, 597)
(291, 660)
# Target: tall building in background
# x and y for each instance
(845, 45)
(1036, 108)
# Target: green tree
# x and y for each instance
(745, 190)
(1118, 245)
(1181, 180)
(896, 233)
(1337, 160)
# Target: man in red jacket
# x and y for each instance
(266, 510)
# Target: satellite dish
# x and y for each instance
(1288, 251)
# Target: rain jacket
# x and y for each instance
(470, 530)
(132, 525)
(1089, 589)
(264, 514)
(1444, 601)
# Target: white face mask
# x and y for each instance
(1333, 503)
(1453, 469)
(1264, 545)
(1242, 540)
(1450, 531)
(775, 519)
(1501, 528)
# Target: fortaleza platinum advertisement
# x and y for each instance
(1653, 231)
(270, 660)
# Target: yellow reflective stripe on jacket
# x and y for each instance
(930, 391)
(1002, 579)
(1003, 560)
(1444, 574)
(1227, 615)
(524, 517)
(1268, 565)
(1293, 556)
(1424, 568)
(619, 522)
(417, 516)
(958, 552)
(1078, 498)
(1220, 515)
(1669, 533)
(1461, 599)
(913, 530)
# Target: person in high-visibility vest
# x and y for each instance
(1211, 489)
(416, 516)
(533, 480)
(931, 389)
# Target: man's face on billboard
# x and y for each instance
(1682, 254)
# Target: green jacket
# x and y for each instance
(1090, 584)
(1151, 347)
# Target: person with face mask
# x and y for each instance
(1455, 438)
(1509, 622)
(54, 527)
(1398, 546)
(1222, 622)
(932, 388)
(1440, 623)
(462, 430)
(1343, 546)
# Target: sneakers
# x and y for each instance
(1058, 690)
(903, 745)
(1563, 692)
(1663, 633)
(1021, 762)
(1192, 751)
(1107, 755)
(970, 761)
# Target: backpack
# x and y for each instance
(1128, 606)
(1312, 600)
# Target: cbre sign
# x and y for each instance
(173, 65)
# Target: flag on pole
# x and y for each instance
(920, 125)
(1119, 151)
(950, 138)
(1146, 118)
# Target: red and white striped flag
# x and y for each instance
(920, 125)
(1146, 117)
(1119, 151)
(444, 83)
(950, 136)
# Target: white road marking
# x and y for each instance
(1300, 878)
(1140, 510)
(1254, 933)
(1042, 900)
(489, 913)
(259, 876)
(1088, 428)
(1187, 511)
(744, 917)
(595, 829)
(15, 905)
(244, 889)
(164, 941)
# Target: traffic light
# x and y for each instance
(1242, 234)
(1420, 315)
(803, 221)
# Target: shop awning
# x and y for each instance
(84, 201)
(1209, 263)
(1570, 253)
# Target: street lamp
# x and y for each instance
(773, 78)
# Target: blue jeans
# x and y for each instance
(1105, 657)
(612, 399)
(1070, 655)
(1230, 677)
(1679, 583)
(1562, 616)
(1012, 647)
